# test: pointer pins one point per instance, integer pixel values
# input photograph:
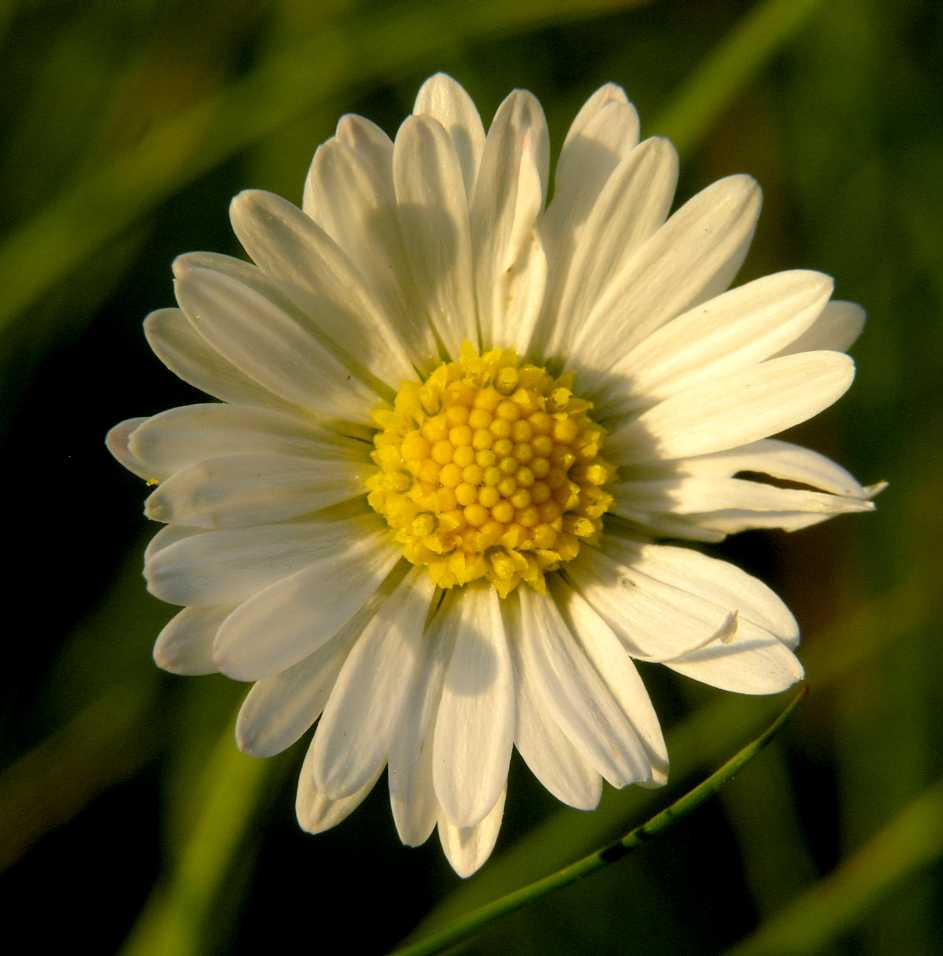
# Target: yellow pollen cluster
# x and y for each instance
(489, 469)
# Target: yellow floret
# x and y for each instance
(489, 469)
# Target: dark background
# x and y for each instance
(128, 822)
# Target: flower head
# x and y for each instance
(455, 421)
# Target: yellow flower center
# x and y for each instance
(489, 469)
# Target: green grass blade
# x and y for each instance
(911, 841)
(175, 918)
(764, 31)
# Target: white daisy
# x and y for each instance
(454, 420)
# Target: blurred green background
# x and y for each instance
(128, 822)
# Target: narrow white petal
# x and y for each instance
(736, 408)
(778, 459)
(546, 749)
(691, 258)
(279, 709)
(184, 436)
(709, 578)
(117, 442)
(353, 739)
(510, 265)
(732, 331)
(272, 343)
(468, 848)
(580, 701)
(189, 356)
(290, 246)
(316, 811)
(836, 329)
(629, 209)
(295, 614)
(686, 495)
(445, 100)
(734, 520)
(225, 567)
(239, 490)
(683, 527)
(433, 214)
(616, 668)
(474, 730)
(185, 645)
(412, 792)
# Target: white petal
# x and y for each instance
(474, 730)
(691, 258)
(224, 567)
(630, 208)
(279, 709)
(734, 520)
(546, 749)
(683, 527)
(606, 126)
(316, 811)
(117, 442)
(433, 214)
(272, 343)
(570, 688)
(445, 100)
(689, 633)
(184, 436)
(603, 133)
(836, 329)
(168, 536)
(655, 620)
(185, 645)
(190, 357)
(736, 408)
(350, 194)
(468, 848)
(747, 667)
(412, 793)
(712, 579)
(239, 490)
(732, 331)
(608, 656)
(290, 246)
(510, 265)
(779, 459)
(696, 495)
(362, 715)
(292, 617)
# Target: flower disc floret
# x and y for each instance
(490, 469)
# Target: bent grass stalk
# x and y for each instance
(470, 924)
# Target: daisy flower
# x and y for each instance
(457, 414)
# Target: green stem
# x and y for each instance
(471, 923)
